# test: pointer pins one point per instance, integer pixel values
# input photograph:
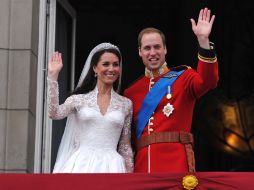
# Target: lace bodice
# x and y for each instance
(95, 130)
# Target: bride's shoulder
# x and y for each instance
(79, 98)
(126, 101)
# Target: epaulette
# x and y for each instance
(180, 67)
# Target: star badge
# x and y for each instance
(168, 109)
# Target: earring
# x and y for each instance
(95, 75)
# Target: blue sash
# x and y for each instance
(152, 99)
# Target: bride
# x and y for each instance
(97, 132)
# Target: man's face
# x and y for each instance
(152, 51)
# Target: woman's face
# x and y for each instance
(108, 68)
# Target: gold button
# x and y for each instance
(151, 123)
(151, 129)
(151, 118)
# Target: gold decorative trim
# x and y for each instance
(212, 60)
(152, 74)
(189, 182)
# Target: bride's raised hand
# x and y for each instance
(55, 65)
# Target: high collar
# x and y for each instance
(152, 74)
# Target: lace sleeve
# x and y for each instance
(124, 147)
(56, 111)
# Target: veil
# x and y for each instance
(68, 142)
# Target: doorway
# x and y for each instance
(120, 22)
(109, 21)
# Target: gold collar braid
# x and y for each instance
(154, 74)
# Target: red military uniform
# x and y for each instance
(188, 87)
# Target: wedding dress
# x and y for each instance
(92, 142)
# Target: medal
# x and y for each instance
(168, 109)
(169, 95)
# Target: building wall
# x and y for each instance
(19, 22)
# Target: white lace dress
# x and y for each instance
(92, 142)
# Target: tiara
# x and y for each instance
(105, 45)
